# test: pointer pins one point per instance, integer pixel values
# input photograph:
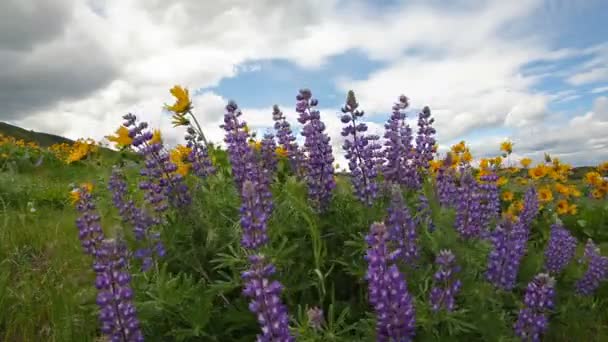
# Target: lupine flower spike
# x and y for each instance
(361, 151)
(399, 152)
(597, 270)
(320, 169)
(532, 321)
(388, 294)
(446, 284)
(560, 249)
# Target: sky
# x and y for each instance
(531, 71)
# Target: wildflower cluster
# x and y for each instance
(362, 151)
(320, 170)
(399, 152)
(560, 249)
(287, 141)
(446, 285)
(597, 270)
(532, 320)
(388, 294)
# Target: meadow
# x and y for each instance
(262, 238)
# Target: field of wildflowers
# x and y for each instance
(263, 239)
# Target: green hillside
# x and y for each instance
(43, 139)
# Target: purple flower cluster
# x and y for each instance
(88, 223)
(362, 152)
(199, 154)
(239, 151)
(447, 191)
(287, 140)
(597, 270)
(268, 154)
(117, 312)
(399, 152)
(489, 200)
(425, 139)
(446, 285)
(320, 169)
(253, 217)
(532, 320)
(468, 209)
(388, 294)
(509, 241)
(162, 185)
(402, 229)
(560, 249)
(266, 302)
(143, 223)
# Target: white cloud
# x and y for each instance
(599, 90)
(465, 62)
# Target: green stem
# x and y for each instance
(200, 130)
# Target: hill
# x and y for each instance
(43, 139)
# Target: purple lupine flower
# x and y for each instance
(117, 313)
(268, 154)
(88, 223)
(199, 154)
(597, 270)
(254, 217)
(446, 285)
(162, 185)
(508, 248)
(399, 153)
(560, 249)
(266, 301)
(447, 191)
(531, 207)
(402, 228)
(509, 243)
(320, 169)
(388, 294)
(315, 317)
(150, 244)
(468, 209)
(239, 151)
(287, 140)
(361, 151)
(425, 140)
(489, 200)
(532, 320)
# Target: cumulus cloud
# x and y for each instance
(76, 66)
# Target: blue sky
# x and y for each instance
(533, 71)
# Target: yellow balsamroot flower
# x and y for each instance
(593, 178)
(156, 137)
(281, 152)
(598, 193)
(507, 196)
(121, 138)
(574, 191)
(256, 145)
(178, 156)
(467, 157)
(502, 181)
(459, 148)
(545, 195)
(562, 189)
(507, 147)
(435, 165)
(562, 207)
(538, 172)
(603, 167)
(484, 163)
(182, 100)
(573, 209)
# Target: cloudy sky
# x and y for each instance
(532, 71)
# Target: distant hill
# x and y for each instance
(43, 139)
